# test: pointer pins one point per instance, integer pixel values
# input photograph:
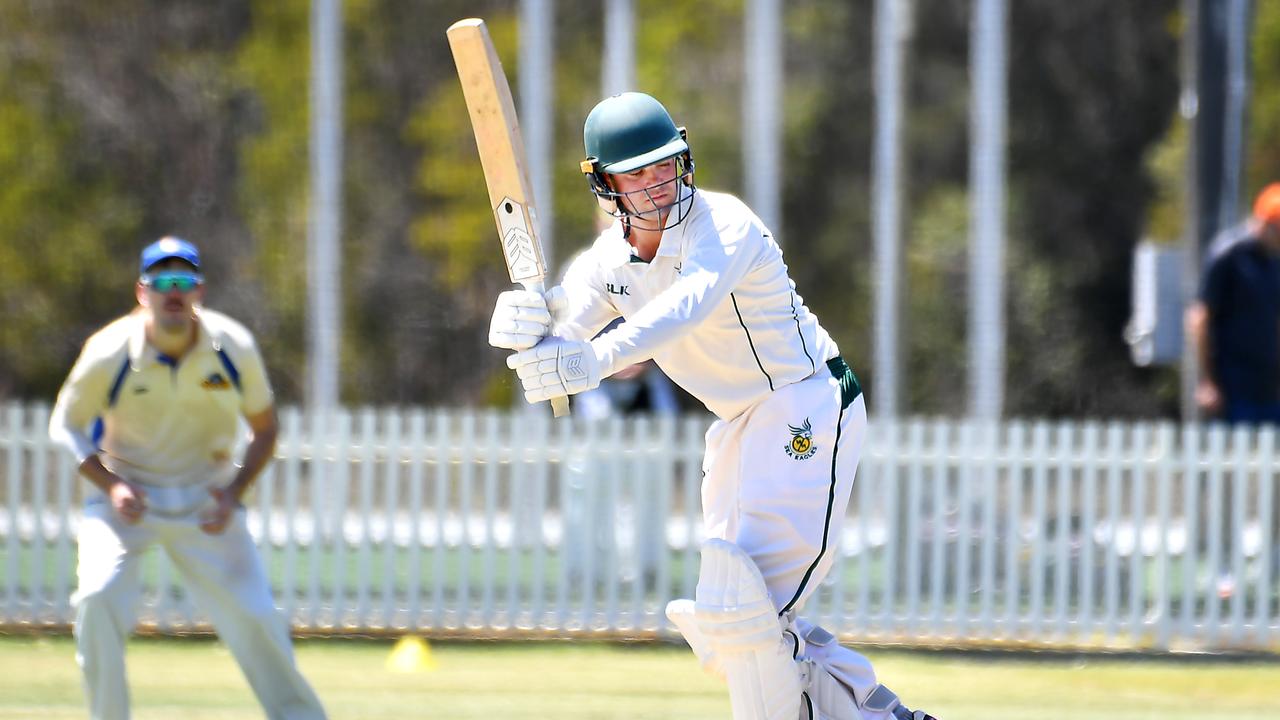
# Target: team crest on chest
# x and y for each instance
(215, 381)
(801, 446)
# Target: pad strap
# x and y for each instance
(882, 699)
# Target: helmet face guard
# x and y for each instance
(613, 203)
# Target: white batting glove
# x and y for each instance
(522, 317)
(556, 368)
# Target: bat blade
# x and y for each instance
(501, 148)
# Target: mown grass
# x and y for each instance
(196, 678)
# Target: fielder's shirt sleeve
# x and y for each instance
(255, 388)
(84, 396)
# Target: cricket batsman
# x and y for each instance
(151, 413)
(703, 290)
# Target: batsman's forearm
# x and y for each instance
(256, 456)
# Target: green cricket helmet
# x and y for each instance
(626, 132)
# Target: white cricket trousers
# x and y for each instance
(224, 575)
(783, 500)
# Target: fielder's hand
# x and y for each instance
(556, 368)
(128, 500)
(214, 520)
(523, 317)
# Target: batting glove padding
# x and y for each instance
(556, 368)
(521, 318)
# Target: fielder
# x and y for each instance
(150, 412)
(705, 293)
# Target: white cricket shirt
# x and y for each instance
(163, 423)
(715, 307)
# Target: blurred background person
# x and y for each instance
(1235, 327)
(1235, 321)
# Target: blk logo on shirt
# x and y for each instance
(617, 289)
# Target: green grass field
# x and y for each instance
(196, 679)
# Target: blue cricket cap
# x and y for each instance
(169, 247)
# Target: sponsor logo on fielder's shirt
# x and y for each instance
(215, 381)
(801, 446)
(617, 289)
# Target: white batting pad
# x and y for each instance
(681, 614)
(735, 614)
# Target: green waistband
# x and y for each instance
(849, 387)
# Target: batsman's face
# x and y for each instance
(650, 190)
(170, 295)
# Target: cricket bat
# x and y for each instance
(497, 130)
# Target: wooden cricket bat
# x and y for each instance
(497, 130)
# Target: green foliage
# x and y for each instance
(61, 216)
(936, 263)
(272, 192)
(460, 235)
(1091, 88)
(1167, 164)
(1264, 117)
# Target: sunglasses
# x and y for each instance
(163, 282)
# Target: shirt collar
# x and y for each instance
(140, 351)
(670, 243)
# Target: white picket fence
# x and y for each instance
(449, 522)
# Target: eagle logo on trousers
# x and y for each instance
(801, 446)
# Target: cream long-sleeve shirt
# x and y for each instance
(715, 308)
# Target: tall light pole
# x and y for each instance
(762, 110)
(536, 89)
(619, 72)
(892, 35)
(988, 109)
(324, 289)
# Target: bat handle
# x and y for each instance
(559, 405)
